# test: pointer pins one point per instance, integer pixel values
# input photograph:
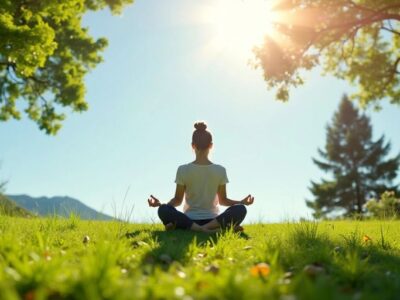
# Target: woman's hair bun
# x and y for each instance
(200, 126)
(201, 138)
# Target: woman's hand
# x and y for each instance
(248, 200)
(153, 201)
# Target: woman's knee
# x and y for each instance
(240, 209)
(163, 210)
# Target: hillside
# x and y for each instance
(10, 208)
(60, 206)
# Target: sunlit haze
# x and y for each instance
(236, 26)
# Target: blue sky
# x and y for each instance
(156, 80)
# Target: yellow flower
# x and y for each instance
(261, 269)
(366, 238)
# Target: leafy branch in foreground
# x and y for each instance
(355, 40)
(44, 55)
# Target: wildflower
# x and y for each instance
(212, 269)
(261, 269)
(86, 239)
(29, 295)
(288, 275)
(201, 285)
(47, 255)
(165, 258)
(366, 238)
(181, 274)
(338, 249)
(313, 270)
(201, 255)
(179, 291)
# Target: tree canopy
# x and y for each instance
(358, 167)
(45, 53)
(355, 40)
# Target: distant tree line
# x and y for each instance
(387, 206)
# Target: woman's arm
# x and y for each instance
(176, 201)
(225, 201)
(179, 193)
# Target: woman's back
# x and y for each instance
(201, 185)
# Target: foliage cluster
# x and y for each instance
(72, 259)
(388, 206)
(45, 52)
(355, 40)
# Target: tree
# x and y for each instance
(355, 40)
(388, 206)
(44, 55)
(358, 166)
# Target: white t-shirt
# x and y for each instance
(201, 185)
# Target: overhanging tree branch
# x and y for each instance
(347, 37)
(390, 30)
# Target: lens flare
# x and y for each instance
(237, 26)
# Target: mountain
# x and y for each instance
(10, 208)
(60, 206)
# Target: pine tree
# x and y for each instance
(358, 165)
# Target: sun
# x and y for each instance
(237, 26)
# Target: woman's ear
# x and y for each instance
(193, 146)
(211, 145)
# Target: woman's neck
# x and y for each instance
(202, 158)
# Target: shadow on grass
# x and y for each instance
(176, 245)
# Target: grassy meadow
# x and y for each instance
(51, 258)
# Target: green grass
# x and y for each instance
(47, 259)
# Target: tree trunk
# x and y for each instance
(358, 195)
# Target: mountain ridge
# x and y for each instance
(58, 205)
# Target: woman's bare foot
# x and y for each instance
(199, 228)
(169, 226)
(238, 228)
(213, 224)
(211, 230)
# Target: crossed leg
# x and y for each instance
(172, 218)
(232, 216)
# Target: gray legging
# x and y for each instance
(234, 215)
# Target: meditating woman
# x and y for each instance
(203, 184)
